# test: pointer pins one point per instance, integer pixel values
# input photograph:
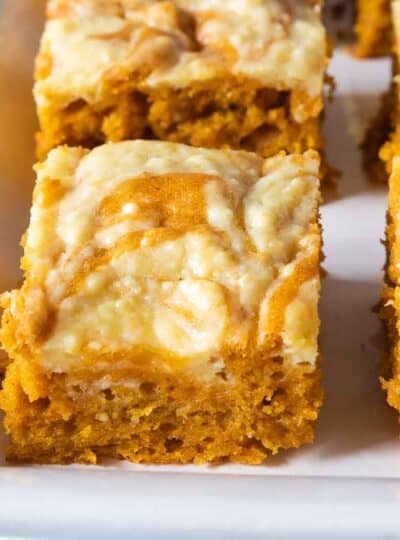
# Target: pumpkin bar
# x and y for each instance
(169, 307)
(242, 74)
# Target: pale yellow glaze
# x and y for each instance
(280, 44)
(114, 281)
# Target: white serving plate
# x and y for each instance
(347, 485)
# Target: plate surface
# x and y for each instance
(347, 485)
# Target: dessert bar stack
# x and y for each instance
(169, 310)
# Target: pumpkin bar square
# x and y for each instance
(242, 74)
(169, 310)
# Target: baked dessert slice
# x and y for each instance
(390, 307)
(169, 307)
(373, 28)
(215, 74)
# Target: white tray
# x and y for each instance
(345, 486)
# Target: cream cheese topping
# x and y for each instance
(192, 291)
(280, 44)
(302, 324)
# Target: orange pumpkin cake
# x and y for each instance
(244, 74)
(169, 307)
